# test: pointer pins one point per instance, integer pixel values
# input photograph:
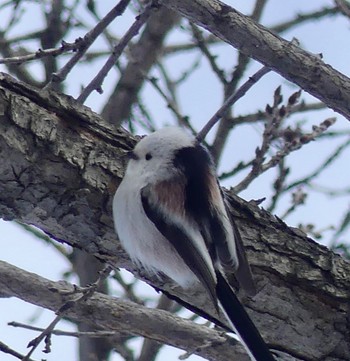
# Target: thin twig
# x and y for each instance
(302, 18)
(238, 168)
(278, 184)
(181, 119)
(170, 84)
(86, 292)
(14, 19)
(261, 115)
(289, 147)
(141, 115)
(230, 101)
(343, 7)
(178, 48)
(24, 37)
(225, 127)
(128, 288)
(332, 192)
(88, 39)
(188, 72)
(170, 103)
(40, 53)
(299, 197)
(322, 167)
(274, 116)
(206, 52)
(44, 335)
(44, 237)
(95, 334)
(342, 227)
(6, 349)
(96, 83)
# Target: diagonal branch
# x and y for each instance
(290, 61)
(143, 56)
(88, 39)
(108, 313)
(96, 82)
(61, 164)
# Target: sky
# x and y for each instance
(329, 37)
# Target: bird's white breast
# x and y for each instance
(141, 239)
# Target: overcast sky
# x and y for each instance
(199, 100)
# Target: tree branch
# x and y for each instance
(61, 164)
(143, 56)
(110, 313)
(290, 61)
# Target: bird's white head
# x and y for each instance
(152, 158)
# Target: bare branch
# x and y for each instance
(278, 184)
(143, 55)
(6, 349)
(298, 197)
(230, 101)
(68, 193)
(117, 315)
(225, 127)
(64, 48)
(302, 18)
(259, 167)
(63, 333)
(170, 103)
(86, 292)
(184, 47)
(150, 348)
(290, 61)
(88, 39)
(197, 34)
(96, 83)
(261, 115)
(326, 163)
(344, 7)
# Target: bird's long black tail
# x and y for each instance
(241, 322)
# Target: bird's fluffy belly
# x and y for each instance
(146, 245)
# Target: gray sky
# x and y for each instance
(199, 98)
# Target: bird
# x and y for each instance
(171, 217)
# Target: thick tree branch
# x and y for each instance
(60, 165)
(299, 66)
(108, 313)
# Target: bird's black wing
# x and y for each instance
(154, 200)
(193, 200)
(243, 273)
(205, 203)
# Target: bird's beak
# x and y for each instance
(131, 155)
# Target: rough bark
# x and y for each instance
(60, 165)
(295, 64)
(117, 315)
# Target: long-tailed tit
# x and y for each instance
(170, 216)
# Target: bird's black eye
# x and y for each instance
(148, 156)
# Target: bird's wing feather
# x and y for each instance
(158, 201)
(243, 273)
(205, 203)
